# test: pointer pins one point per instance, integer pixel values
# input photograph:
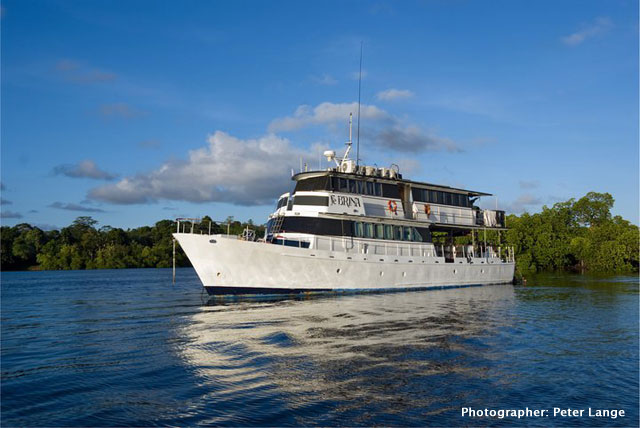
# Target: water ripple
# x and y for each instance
(123, 348)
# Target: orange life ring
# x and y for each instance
(393, 207)
(427, 209)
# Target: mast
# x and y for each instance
(359, 88)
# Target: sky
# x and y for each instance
(135, 111)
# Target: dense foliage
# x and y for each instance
(82, 246)
(574, 234)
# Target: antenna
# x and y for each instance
(359, 88)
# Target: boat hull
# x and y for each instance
(229, 265)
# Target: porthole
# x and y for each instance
(381, 273)
(481, 270)
(338, 270)
(455, 271)
(404, 274)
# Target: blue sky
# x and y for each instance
(136, 111)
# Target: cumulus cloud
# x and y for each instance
(520, 205)
(412, 139)
(10, 214)
(385, 130)
(79, 73)
(75, 207)
(228, 169)
(84, 169)
(393, 94)
(119, 110)
(325, 114)
(599, 26)
(528, 184)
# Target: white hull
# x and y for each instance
(224, 261)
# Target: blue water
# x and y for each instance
(126, 347)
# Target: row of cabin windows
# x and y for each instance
(386, 231)
(386, 190)
(348, 228)
(348, 185)
(440, 197)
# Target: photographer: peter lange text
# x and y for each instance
(556, 412)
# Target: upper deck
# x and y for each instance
(382, 194)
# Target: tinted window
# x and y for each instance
(388, 231)
(358, 229)
(378, 187)
(416, 236)
(312, 184)
(423, 233)
(390, 191)
(368, 230)
(312, 200)
(370, 190)
(379, 231)
(407, 233)
(343, 185)
(353, 186)
(397, 232)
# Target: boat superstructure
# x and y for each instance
(353, 227)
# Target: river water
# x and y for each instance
(126, 347)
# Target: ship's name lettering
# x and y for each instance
(347, 201)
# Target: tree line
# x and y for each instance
(572, 235)
(83, 246)
(578, 235)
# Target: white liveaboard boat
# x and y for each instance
(355, 228)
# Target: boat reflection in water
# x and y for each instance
(399, 358)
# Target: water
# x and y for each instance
(125, 347)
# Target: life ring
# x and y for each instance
(393, 207)
(427, 209)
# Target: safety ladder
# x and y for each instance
(277, 224)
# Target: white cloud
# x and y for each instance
(394, 94)
(228, 169)
(324, 79)
(325, 114)
(383, 129)
(84, 169)
(599, 26)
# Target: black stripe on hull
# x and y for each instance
(219, 291)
